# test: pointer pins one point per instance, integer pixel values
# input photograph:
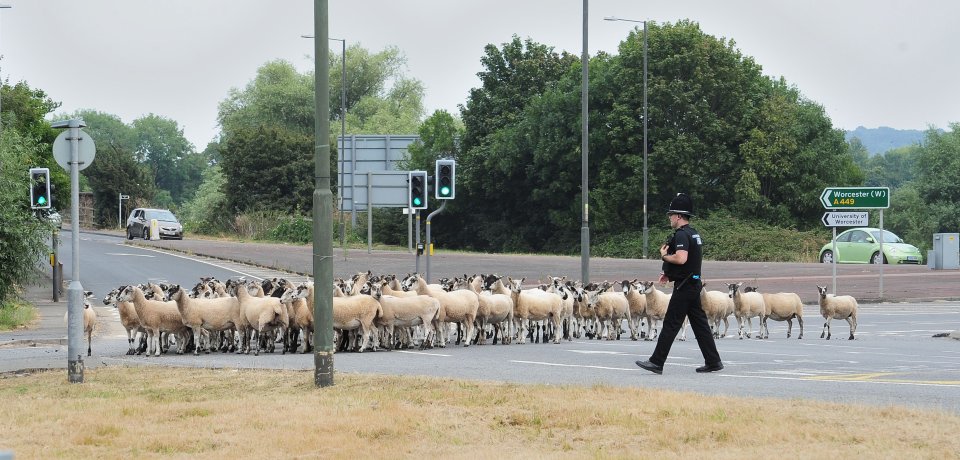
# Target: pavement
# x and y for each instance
(49, 331)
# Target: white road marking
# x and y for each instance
(127, 254)
(421, 353)
(840, 380)
(576, 365)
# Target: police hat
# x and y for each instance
(681, 204)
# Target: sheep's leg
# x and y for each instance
(90, 336)
(826, 326)
(851, 320)
(800, 323)
(789, 326)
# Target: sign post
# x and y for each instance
(853, 198)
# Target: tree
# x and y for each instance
(268, 168)
(438, 136)
(168, 155)
(205, 212)
(22, 235)
(937, 182)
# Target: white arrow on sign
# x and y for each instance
(846, 219)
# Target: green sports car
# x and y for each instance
(862, 246)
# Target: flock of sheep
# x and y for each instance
(371, 312)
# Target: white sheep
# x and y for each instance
(746, 306)
(718, 306)
(300, 304)
(128, 318)
(357, 312)
(496, 309)
(89, 318)
(457, 306)
(782, 306)
(405, 312)
(217, 315)
(534, 305)
(156, 317)
(611, 308)
(259, 314)
(656, 310)
(638, 306)
(837, 307)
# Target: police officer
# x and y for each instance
(682, 256)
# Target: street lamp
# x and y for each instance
(343, 131)
(1, 79)
(645, 229)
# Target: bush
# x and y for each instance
(293, 229)
(726, 237)
(16, 313)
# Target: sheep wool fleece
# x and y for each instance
(685, 301)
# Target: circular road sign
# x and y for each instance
(61, 150)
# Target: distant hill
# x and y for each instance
(879, 140)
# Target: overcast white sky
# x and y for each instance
(868, 62)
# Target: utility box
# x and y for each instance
(946, 251)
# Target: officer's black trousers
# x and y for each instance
(685, 302)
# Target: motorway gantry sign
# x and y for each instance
(846, 219)
(855, 198)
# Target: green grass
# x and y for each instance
(15, 314)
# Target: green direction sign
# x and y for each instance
(855, 198)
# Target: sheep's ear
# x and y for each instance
(740, 284)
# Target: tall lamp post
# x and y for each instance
(645, 229)
(3, 6)
(343, 132)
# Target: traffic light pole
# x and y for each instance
(428, 248)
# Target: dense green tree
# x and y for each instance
(937, 181)
(719, 130)
(893, 168)
(22, 234)
(205, 212)
(267, 168)
(169, 157)
(438, 137)
(278, 97)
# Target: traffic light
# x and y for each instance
(445, 173)
(417, 188)
(39, 188)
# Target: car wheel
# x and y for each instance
(129, 234)
(826, 257)
(146, 233)
(876, 258)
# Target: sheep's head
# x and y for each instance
(490, 280)
(409, 283)
(732, 289)
(593, 297)
(626, 286)
(516, 285)
(111, 297)
(822, 290)
(172, 290)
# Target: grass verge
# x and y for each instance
(131, 412)
(15, 314)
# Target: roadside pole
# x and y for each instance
(429, 246)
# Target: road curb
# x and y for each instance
(955, 335)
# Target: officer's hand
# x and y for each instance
(663, 250)
(663, 279)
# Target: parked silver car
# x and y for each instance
(138, 224)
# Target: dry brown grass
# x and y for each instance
(157, 412)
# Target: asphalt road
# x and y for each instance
(893, 361)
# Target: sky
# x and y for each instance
(867, 62)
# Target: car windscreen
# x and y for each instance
(887, 237)
(163, 215)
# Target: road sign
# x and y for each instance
(846, 219)
(124, 197)
(855, 198)
(85, 153)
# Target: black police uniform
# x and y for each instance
(685, 301)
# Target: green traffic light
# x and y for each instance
(42, 200)
(416, 201)
(445, 191)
